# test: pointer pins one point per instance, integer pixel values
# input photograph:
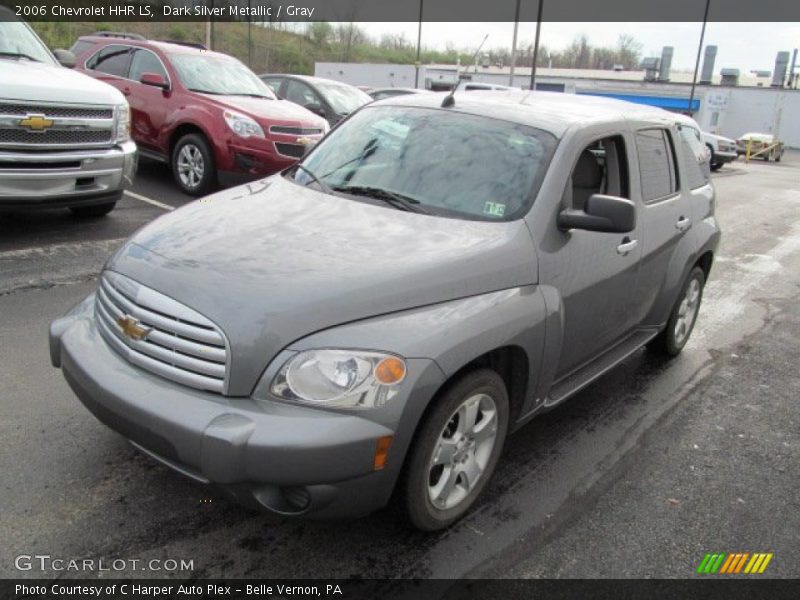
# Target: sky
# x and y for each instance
(744, 46)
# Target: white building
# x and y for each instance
(729, 110)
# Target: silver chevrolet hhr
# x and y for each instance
(374, 321)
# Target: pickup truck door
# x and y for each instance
(594, 273)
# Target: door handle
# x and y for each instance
(626, 246)
(683, 223)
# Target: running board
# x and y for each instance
(578, 380)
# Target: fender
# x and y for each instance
(447, 336)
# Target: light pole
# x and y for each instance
(697, 60)
(419, 46)
(536, 44)
(514, 46)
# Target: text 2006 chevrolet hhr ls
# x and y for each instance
(373, 322)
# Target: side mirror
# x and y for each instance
(65, 57)
(607, 214)
(154, 79)
(316, 109)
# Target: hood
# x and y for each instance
(39, 82)
(717, 138)
(271, 262)
(270, 110)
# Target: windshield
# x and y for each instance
(16, 38)
(447, 163)
(218, 75)
(344, 99)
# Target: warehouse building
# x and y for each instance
(729, 103)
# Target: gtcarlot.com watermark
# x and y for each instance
(46, 562)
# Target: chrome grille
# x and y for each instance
(57, 112)
(181, 344)
(287, 130)
(54, 136)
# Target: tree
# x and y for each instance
(319, 33)
(629, 51)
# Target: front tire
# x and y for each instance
(681, 322)
(193, 165)
(455, 451)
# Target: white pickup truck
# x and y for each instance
(64, 137)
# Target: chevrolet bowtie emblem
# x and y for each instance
(36, 122)
(305, 141)
(131, 327)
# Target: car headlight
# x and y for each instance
(242, 125)
(341, 378)
(122, 123)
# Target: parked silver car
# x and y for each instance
(64, 137)
(375, 320)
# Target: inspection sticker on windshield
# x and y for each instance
(494, 209)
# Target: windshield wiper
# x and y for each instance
(322, 185)
(19, 55)
(250, 95)
(394, 199)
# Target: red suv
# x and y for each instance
(205, 113)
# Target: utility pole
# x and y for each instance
(536, 44)
(697, 60)
(249, 35)
(419, 46)
(514, 46)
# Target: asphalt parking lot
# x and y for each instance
(637, 476)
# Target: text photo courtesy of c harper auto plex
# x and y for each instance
(410, 299)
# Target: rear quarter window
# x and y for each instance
(113, 60)
(80, 47)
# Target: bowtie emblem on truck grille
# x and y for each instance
(36, 123)
(131, 328)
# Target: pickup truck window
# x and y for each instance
(17, 42)
(113, 60)
(447, 163)
(656, 164)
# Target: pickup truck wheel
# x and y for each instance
(716, 166)
(193, 164)
(684, 315)
(92, 212)
(455, 451)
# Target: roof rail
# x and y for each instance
(188, 44)
(120, 34)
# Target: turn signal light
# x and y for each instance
(390, 371)
(382, 446)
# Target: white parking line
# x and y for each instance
(149, 200)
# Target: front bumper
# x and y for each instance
(722, 157)
(65, 178)
(289, 459)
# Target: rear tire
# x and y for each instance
(193, 165)
(716, 166)
(455, 451)
(681, 322)
(93, 212)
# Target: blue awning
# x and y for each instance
(667, 102)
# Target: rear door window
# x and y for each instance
(656, 164)
(113, 60)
